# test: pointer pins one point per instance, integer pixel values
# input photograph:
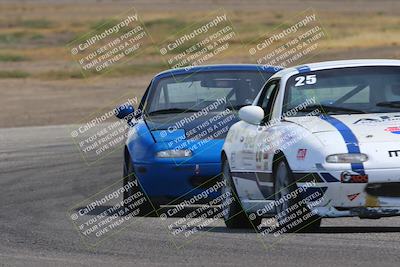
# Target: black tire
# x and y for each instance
(284, 184)
(234, 215)
(148, 208)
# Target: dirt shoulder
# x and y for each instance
(31, 102)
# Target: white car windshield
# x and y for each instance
(345, 90)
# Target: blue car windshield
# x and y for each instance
(195, 91)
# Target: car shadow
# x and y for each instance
(356, 229)
(222, 229)
(100, 209)
(322, 230)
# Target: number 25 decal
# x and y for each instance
(302, 80)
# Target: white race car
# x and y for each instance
(320, 140)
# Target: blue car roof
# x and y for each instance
(219, 67)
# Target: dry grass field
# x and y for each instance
(40, 84)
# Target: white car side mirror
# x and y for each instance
(251, 114)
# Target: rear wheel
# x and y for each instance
(135, 199)
(234, 215)
(292, 215)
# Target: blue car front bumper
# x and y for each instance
(166, 182)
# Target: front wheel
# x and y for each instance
(135, 199)
(292, 215)
(234, 215)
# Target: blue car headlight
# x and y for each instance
(174, 153)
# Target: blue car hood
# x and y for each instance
(167, 127)
(169, 135)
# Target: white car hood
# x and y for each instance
(367, 128)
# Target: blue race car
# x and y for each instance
(176, 135)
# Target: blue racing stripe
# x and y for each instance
(349, 138)
(303, 69)
(329, 177)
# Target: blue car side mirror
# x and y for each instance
(125, 111)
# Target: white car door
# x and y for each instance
(253, 159)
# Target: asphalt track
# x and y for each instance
(42, 175)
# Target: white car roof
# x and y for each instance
(336, 64)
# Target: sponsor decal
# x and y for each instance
(381, 119)
(393, 130)
(258, 156)
(265, 160)
(233, 160)
(371, 201)
(394, 153)
(353, 196)
(301, 154)
(347, 177)
(261, 160)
